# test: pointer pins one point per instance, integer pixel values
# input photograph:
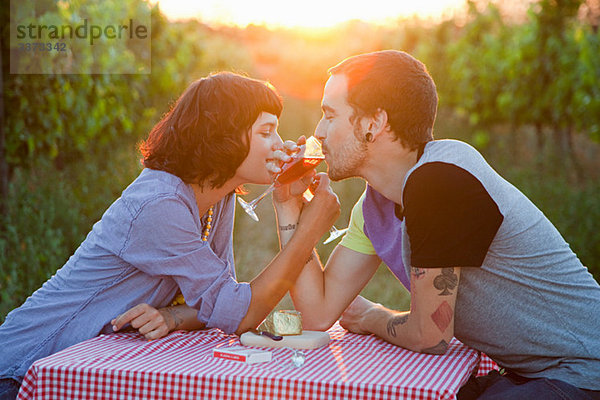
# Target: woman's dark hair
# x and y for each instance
(205, 136)
(398, 83)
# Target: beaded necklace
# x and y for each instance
(208, 226)
(178, 300)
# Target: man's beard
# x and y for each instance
(347, 160)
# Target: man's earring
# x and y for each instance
(369, 137)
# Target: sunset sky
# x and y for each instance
(305, 13)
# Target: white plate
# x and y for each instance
(308, 340)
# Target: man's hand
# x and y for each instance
(353, 318)
(320, 213)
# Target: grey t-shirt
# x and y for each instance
(530, 304)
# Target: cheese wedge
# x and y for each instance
(283, 323)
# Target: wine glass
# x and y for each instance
(335, 233)
(309, 156)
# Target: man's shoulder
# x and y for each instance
(447, 144)
(451, 151)
(449, 162)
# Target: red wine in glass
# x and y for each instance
(310, 156)
(302, 163)
(297, 168)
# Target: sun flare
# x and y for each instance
(305, 14)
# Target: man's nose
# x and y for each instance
(320, 133)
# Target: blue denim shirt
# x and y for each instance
(146, 245)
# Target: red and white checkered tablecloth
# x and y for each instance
(486, 365)
(181, 365)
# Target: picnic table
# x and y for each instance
(181, 365)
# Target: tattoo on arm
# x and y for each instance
(288, 227)
(443, 316)
(397, 320)
(176, 318)
(439, 348)
(446, 281)
(310, 258)
(418, 272)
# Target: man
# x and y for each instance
(481, 261)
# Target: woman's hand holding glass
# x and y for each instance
(290, 195)
(301, 191)
(292, 181)
(280, 155)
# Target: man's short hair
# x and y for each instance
(398, 83)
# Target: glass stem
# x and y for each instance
(262, 196)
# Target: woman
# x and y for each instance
(172, 230)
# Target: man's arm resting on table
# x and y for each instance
(429, 325)
(322, 295)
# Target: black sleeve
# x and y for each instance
(451, 219)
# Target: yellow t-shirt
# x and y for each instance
(355, 239)
(387, 290)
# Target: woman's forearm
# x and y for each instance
(269, 287)
(181, 317)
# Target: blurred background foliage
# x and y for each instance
(525, 90)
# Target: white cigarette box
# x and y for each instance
(243, 354)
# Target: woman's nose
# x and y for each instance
(278, 141)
